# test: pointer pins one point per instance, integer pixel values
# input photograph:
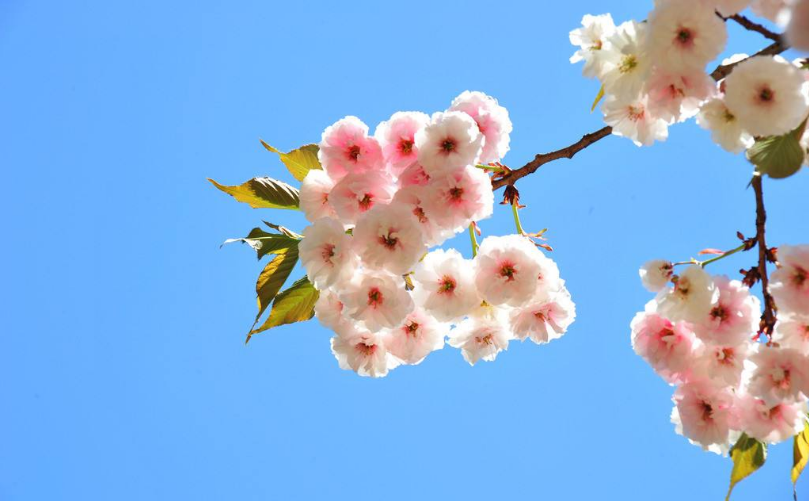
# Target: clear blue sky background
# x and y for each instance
(123, 373)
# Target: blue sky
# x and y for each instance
(123, 373)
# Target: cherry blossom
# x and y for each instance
(771, 423)
(480, 338)
(655, 274)
(633, 120)
(493, 123)
(314, 195)
(397, 137)
(418, 336)
(667, 346)
(388, 237)
(726, 130)
(457, 197)
(507, 270)
(363, 352)
(358, 192)
(452, 139)
(792, 331)
(591, 39)
(704, 413)
(445, 285)
(685, 34)
(545, 319)
(780, 375)
(789, 284)
(377, 299)
(733, 319)
(347, 148)
(327, 253)
(692, 297)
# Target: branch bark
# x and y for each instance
(751, 26)
(767, 324)
(568, 152)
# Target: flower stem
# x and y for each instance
(723, 256)
(474, 239)
(517, 223)
(492, 168)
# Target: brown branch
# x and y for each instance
(767, 324)
(751, 26)
(588, 139)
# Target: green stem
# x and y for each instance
(723, 256)
(489, 167)
(474, 239)
(517, 223)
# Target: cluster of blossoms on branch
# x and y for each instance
(653, 73)
(702, 333)
(381, 202)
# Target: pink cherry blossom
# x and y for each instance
(677, 96)
(445, 285)
(792, 331)
(656, 274)
(780, 375)
(326, 253)
(397, 137)
(480, 338)
(451, 140)
(493, 122)
(314, 195)
(685, 34)
(346, 148)
(733, 319)
(632, 119)
(363, 352)
(413, 176)
(592, 40)
(668, 347)
(388, 237)
(798, 28)
(722, 365)
(377, 299)
(770, 423)
(692, 297)
(789, 284)
(413, 198)
(544, 320)
(418, 336)
(459, 196)
(507, 270)
(705, 415)
(329, 311)
(359, 192)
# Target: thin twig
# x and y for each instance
(767, 324)
(588, 139)
(751, 26)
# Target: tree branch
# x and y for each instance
(767, 324)
(751, 26)
(541, 159)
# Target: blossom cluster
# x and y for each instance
(654, 73)
(381, 202)
(701, 334)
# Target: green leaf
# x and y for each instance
(779, 156)
(298, 162)
(263, 193)
(273, 276)
(296, 304)
(800, 453)
(598, 99)
(748, 456)
(265, 243)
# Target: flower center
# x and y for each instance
(448, 145)
(411, 329)
(628, 63)
(375, 297)
(728, 116)
(597, 46)
(508, 270)
(365, 349)
(707, 411)
(720, 313)
(456, 193)
(389, 240)
(366, 202)
(446, 285)
(781, 378)
(540, 315)
(420, 215)
(800, 277)
(406, 146)
(328, 252)
(685, 37)
(636, 113)
(766, 94)
(354, 152)
(725, 356)
(488, 339)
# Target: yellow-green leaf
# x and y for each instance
(298, 162)
(598, 99)
(748, 456)
(263, 193)
(779, 156)
(296, 304)
(800, 453)
(273, 276)
(265, 243)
